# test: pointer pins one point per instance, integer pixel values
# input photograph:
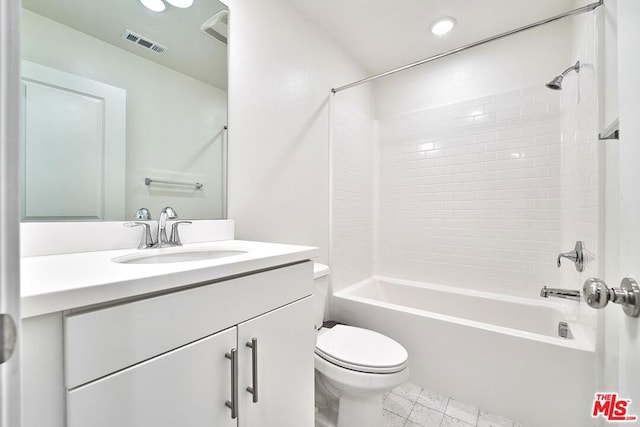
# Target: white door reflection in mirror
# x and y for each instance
(73, 139)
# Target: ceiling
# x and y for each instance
(385, 34)
(190, 51)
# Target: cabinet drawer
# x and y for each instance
(103, 341)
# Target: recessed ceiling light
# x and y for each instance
(180, 3)
(155, 5)
(442, 25)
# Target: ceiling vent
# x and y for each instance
(136, 38)
(217, 26)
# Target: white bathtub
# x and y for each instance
(500, 353)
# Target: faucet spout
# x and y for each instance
(560, 293)
(165, 214)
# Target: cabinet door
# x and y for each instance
(285, 368)
(186, 387)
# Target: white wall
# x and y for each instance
(469, 193)
(582, 160)
(352, 192)
(281, 71)
(174, 122)
(523, 60)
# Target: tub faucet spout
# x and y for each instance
(560, 293)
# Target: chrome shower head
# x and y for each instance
(556, 83)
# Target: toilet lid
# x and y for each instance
(361, 350)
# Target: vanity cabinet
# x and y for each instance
(161, 360)
(285, 368)
(189, 386)
(185, 387)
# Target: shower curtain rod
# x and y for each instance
(583, 9)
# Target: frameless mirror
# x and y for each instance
(123, 108)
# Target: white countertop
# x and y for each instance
(60, 282)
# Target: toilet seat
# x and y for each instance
(361, 350)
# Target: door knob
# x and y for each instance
(598, 294)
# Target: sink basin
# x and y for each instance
(164, 256)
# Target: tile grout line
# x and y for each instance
(406, 420)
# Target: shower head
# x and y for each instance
(556, 83)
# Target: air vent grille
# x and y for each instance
(144, 42)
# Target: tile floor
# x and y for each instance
(409, 405)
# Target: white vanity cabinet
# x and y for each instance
(161, 360)
(284, 362)
(185, 387)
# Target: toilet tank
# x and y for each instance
(320, 291)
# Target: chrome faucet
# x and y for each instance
(166, 213)
(560, 293)
(577, 256)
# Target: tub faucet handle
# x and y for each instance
(576, 256)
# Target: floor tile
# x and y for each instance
(462, 411)
(410, 423)
(433, 400)
(487, 419)
(425, 417)
(398, 405)
(448, 421)
(408, 391)
(391, 419)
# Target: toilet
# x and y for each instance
(354, 367)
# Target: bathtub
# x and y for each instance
(500, 353)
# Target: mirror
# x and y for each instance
(123, 108)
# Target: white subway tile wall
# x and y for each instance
(582, 174)
(481, 194)
(352, 201)
(469, 193)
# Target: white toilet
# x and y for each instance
(354, 368)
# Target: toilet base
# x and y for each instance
(346, 398)
(366, 411)
(352, 413)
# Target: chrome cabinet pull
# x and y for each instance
(253, 388)
(233, 404)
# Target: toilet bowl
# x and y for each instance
(354, 368)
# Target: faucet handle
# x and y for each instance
(146, 241)
(174, 238)
(576, 256)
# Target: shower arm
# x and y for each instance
(573, 67)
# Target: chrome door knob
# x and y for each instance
(598, 294)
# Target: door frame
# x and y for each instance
(10, 391)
